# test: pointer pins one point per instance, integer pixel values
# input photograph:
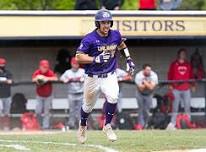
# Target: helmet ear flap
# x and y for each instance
(97, 24)
(111, 24)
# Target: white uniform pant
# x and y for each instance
(93, 86)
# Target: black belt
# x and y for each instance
(104, 75)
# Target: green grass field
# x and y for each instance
(128, 141)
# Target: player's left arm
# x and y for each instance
(83, 58)
(151, 85)
(52, 77)
(64, 77)
(125, 52)
(124, 49)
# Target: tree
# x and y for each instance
(130, 5)
(193, 5)
(63, 4)
(69, 5)
(36, 4)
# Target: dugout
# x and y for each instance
(152, 36)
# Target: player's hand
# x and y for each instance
(9, 81)
(130, 66)
(104, 57)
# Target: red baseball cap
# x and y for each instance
(2, 61)
(44, 63)
(74, 61)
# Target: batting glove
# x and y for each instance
(104, 57)
(130, 66)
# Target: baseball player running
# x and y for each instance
(98, 51)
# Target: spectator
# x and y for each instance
(5, 95)
(121, 76)
(197, 65)
(147, 4)
(146, 81)
(111, 4)
(180, 69)
(74, 78)
(85, 5)
(43, 78)
(169, 4)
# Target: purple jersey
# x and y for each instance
(93, 44)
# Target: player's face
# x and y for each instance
(43, 69)
(147, 71)
(75, 66)
(183, 55)
(105, 27)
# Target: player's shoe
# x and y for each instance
(171, 126)
(81, 134)
(109, 133)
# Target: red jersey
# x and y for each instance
(180, 71)
(46, 89)
(147, 4)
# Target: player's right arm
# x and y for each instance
(34, 77)
(83, 51)
(65, 77)
(83, 58)
(139, 83)
(141, 87)
(99, 59)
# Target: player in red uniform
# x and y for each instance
(180, 69)
(43, 78)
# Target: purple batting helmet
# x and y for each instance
(103, 15)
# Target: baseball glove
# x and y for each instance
(40, 80)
